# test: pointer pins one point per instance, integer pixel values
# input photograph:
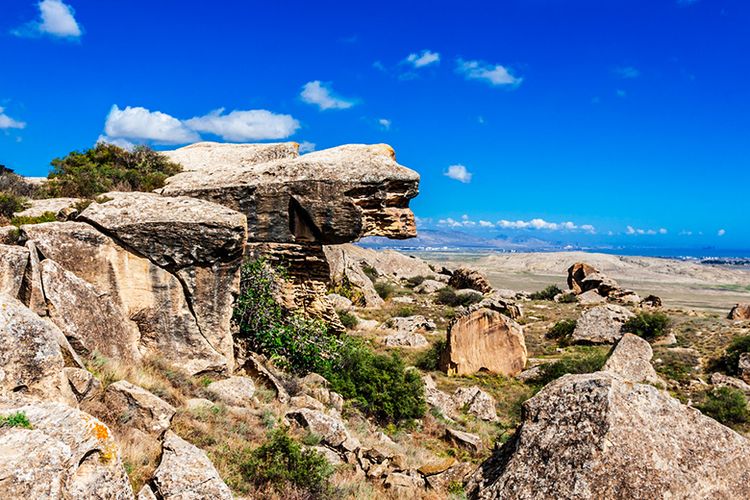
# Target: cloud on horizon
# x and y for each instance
(533, 224)
(56, 19)
(321, 94)
(497, 75)
(632, 231)
(459, 173)
(240, 126)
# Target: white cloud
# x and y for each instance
(385, 123)
(459, 173)
(627, 72)
(633, 231)
(496, 75)
(306, 147)
(322, 95)
(56, 18)
(140, 124)
(424, 58)
(486, 223)
(8, 122)
(240, 126)
(545, 225)
(663, 231)
(122, 143)
(721, 232)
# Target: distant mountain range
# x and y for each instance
(436, 239)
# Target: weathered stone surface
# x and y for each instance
(31, 360)
(475, 402)
(598, 436)
(339, 303)
(591, 297)
(136, 407)
(409, 324)
(721, 380)
(743, 367)
(90, 320)
(631, 359)
(68, 454)
(31, 292)
(331, 196)
(13, 262)
(652, 301)
(464, 277)
(255, 365)
(331, 430)
(466, 440)
(346, 269)
(429, 286)
(740, 312)
(84, 385)
(146, 493)
(403, 485)
(43, 206)
(601, 324)
(212, 156)
(186, 473)
(456, 474)
(438, 399)
(405, 340)
(625, 296)
(576, 274)
(233, 391)
(9, 235)
(484, 340)
(499, 304)
(432, 468)
(150, 296)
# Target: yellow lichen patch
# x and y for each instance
(100, 431)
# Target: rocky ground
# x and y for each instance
(125, 372)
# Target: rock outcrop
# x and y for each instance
(600, 436)
(601, 324)
(13, 262)
(740, 312)
(631, 358)
(464, 277)
(484, 340)
(137, 408)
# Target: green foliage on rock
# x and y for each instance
(548, 293)
(727, 405)
(429, 360)
(562, 330)
(447, 296)
(384, 289)
(281, 463)
(648, 325)
(588, 361)
(17, 419)
(36, 219)
(729, 361)
(11, 203)
(348, 319)
(106, 167)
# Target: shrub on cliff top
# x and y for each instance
(107, 167)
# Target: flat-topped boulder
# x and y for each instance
(211, 156)
(601, 324)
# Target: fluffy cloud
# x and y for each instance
(137, 124)
(322, 95)
(55, 19)
(385, 123)
(8, 122)
(459, 173)
(721, 232)
(140, 124)
(627, 72)
(638, 231)
(252, 125)
(497, 75)
(306, 147)
(424, 58)
(545, 225)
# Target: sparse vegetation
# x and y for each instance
(384, 289)
(648, 325)
(106, 167)
(447, 296)
(370, 272)
(429, 360)
(548, 293)
(415, 281)
(568, 298)
(727, 405)
(11, 203)
(38, 219)
(403, 312)
(729, 361)
(586, 361)
(17, 419)
(348, 319)
(562, 330)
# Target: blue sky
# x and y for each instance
(617, 122)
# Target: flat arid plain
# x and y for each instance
(680, 283)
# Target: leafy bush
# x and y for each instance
(415, 281)
(727, 405)
(297, 343)
(378, 384)
(568, 298)
(429, 360)
(11, 203)
(546, 294)
(447, 296)
(562, 330)
(281, 462)
(17, 419)
(106, 167)
(647, 325)
(730, 360)
(37, 219)
(403, 312)
(348, 319)
(384, 289)
(588, 362)
(14, 184)
(370, 272)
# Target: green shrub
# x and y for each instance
(429, 360)
(727, 405)
(403, 312)
(730, 360)
(16, 185)
(648, 325)
(17, 419)
(297, 343)
(106, 167)
(281, 463)
(37, 219)
(568, 298)
(348, 319)
(384, 289)
(370, 272)
(415, 281)
(11, 203)
(562, 330)
(548, 293)
(587, 362)
(447, 296)
(378, 384)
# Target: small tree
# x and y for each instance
(647, 325)
(548, 293)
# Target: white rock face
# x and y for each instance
(631, 359)
(138, 408)
(233, 391)
(601, 324)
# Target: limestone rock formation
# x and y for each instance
(631, 358)
(233, 391)
(466, 440)
(740, 312)
(13, 262)
(484, 340)
(346, 270)
(47, 205)
(743, 366)
(331, 430)
(599, 436)
(66, 454)
(464, 277)
(186, 473)
(601, 324)
(138, 408)
(476, 402)
(576, 274)
(429, 286)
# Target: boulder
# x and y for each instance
(591, 297)
(255, 365)
(31, 292)
(13, 262)
(601, 324)
(186, 473)
(631, 359)
(233, 391)
(339, 303)
(464, 277)
(137, 408)
(743, 366)
(651, 301)
(437, 467)
(439, 399)
(576, 274)
(146, 493)
(475, 401)
(721, 380)
(484, 340)
(454, 475)
(429, 286)
(91, 321)
(66, 454)
(498, 303)
(403, 485)
(38, 208)
(465, 440)
(331, 430)
(344, 270)
(409, 324)
(84, 385)
(384, 263)
(150, 296)
(599, 436)
(405, 340)
(740, 312)
(31, 359)
(625, 296)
